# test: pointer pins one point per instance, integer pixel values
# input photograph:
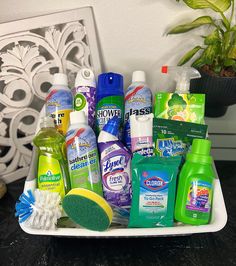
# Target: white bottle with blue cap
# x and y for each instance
(115, 165)
(82, 154)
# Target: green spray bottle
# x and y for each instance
(195, 187)
(52, 174)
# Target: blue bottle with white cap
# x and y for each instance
(115, 165)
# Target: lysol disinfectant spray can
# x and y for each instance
(138, 101)
(110, 100)
(84, 94)
(59, 102)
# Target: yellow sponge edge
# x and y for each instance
(94, 197)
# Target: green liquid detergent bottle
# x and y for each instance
(52, 174)
(195, 188)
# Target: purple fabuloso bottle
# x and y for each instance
(84, 94)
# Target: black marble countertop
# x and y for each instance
(19, 248)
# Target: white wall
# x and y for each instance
(132, 36)
(131, 33)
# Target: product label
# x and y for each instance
(138, 101)
(84, 100)
(198, 203)
(115, 165)
(107, 108)
(142, 145)
(153, 193)
(83, 160)
(49, 175)
(173, 138)
(59, 104)
(183, 107)
(170, 147)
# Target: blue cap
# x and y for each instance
(109, 84)
(112, 126)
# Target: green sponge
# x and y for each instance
(87, 209)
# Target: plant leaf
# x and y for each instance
(225, 23)
(216, 5)
(229, 62)
(217, 69)
(204, 20)
(189, 55)
(232, 52)
(213, 38)
(210, 53)
(198, 63)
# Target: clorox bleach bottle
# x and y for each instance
(59, 102)
(138, 101)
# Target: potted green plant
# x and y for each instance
(215, 58)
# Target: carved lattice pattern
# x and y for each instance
(28, 60)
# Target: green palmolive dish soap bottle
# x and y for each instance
(82, 154)
(195, 187)
(52, 173)
(109, 100)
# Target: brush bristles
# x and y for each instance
(46, 210)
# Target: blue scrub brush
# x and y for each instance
(40, 210)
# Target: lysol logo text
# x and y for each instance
(116, 163)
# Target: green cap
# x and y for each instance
(201, 146)
(200, 151)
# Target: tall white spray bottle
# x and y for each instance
(138, 101)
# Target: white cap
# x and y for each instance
(141, 125)
(138, 76)
(47, 121)
(78, 117)
(85, 77)
(60, 79)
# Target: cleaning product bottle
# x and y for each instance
(195, 188)
(138, 101)
(141, 127)
(59, 102)
(115, 165)
(110, 100)
(82, 154)
(52, 174)
(180, 105)
(84, 94)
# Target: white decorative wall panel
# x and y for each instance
(31, 51)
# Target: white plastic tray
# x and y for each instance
(218, 219)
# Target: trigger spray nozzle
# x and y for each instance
(182, 76)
